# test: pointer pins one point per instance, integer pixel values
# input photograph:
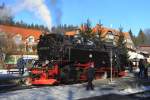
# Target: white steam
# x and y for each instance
(5, 14)
(37, 7)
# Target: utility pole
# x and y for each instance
(69, 53)
(111, 65)
(69, 48)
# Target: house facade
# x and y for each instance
(25, 39)
(145, 50)
(106, 34)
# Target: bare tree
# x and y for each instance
(7, 47)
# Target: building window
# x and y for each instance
(30, 49)
(110, 37)
(18, 39)
(31, 40)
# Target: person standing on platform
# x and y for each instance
(90, 74)
(142, 68)
(130, 66)
(146, 69)
(21, 65)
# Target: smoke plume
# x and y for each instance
(37, 7)
(56, 8)
(5, 13)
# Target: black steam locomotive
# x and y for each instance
(71, 55)
(59, 47)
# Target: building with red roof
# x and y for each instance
(107, 34)
(25, 37)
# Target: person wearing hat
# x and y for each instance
(90, 74)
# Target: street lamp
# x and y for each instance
(111, 47)
(111, 65)
(69, 53)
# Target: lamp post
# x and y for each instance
(111, 49)
(69, 53)
(69, 48)
(111, 65)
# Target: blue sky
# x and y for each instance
(132, 14)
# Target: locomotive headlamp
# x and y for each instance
(90, 55)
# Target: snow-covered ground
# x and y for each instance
(65, 92)
(76, 91)
(3, 71)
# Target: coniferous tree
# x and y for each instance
(87, 34)
(147, 33)
(86, 31)
(121, 45)
(98, 36)
(141, 38)
(7, 47)
(131, 34)
(133, 37)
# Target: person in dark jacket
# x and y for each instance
(146, 69)
(130, 66)
(21, 65)
(142, 68)
(90, 76)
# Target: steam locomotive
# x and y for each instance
(63, 59)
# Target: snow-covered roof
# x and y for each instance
(135, 55)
